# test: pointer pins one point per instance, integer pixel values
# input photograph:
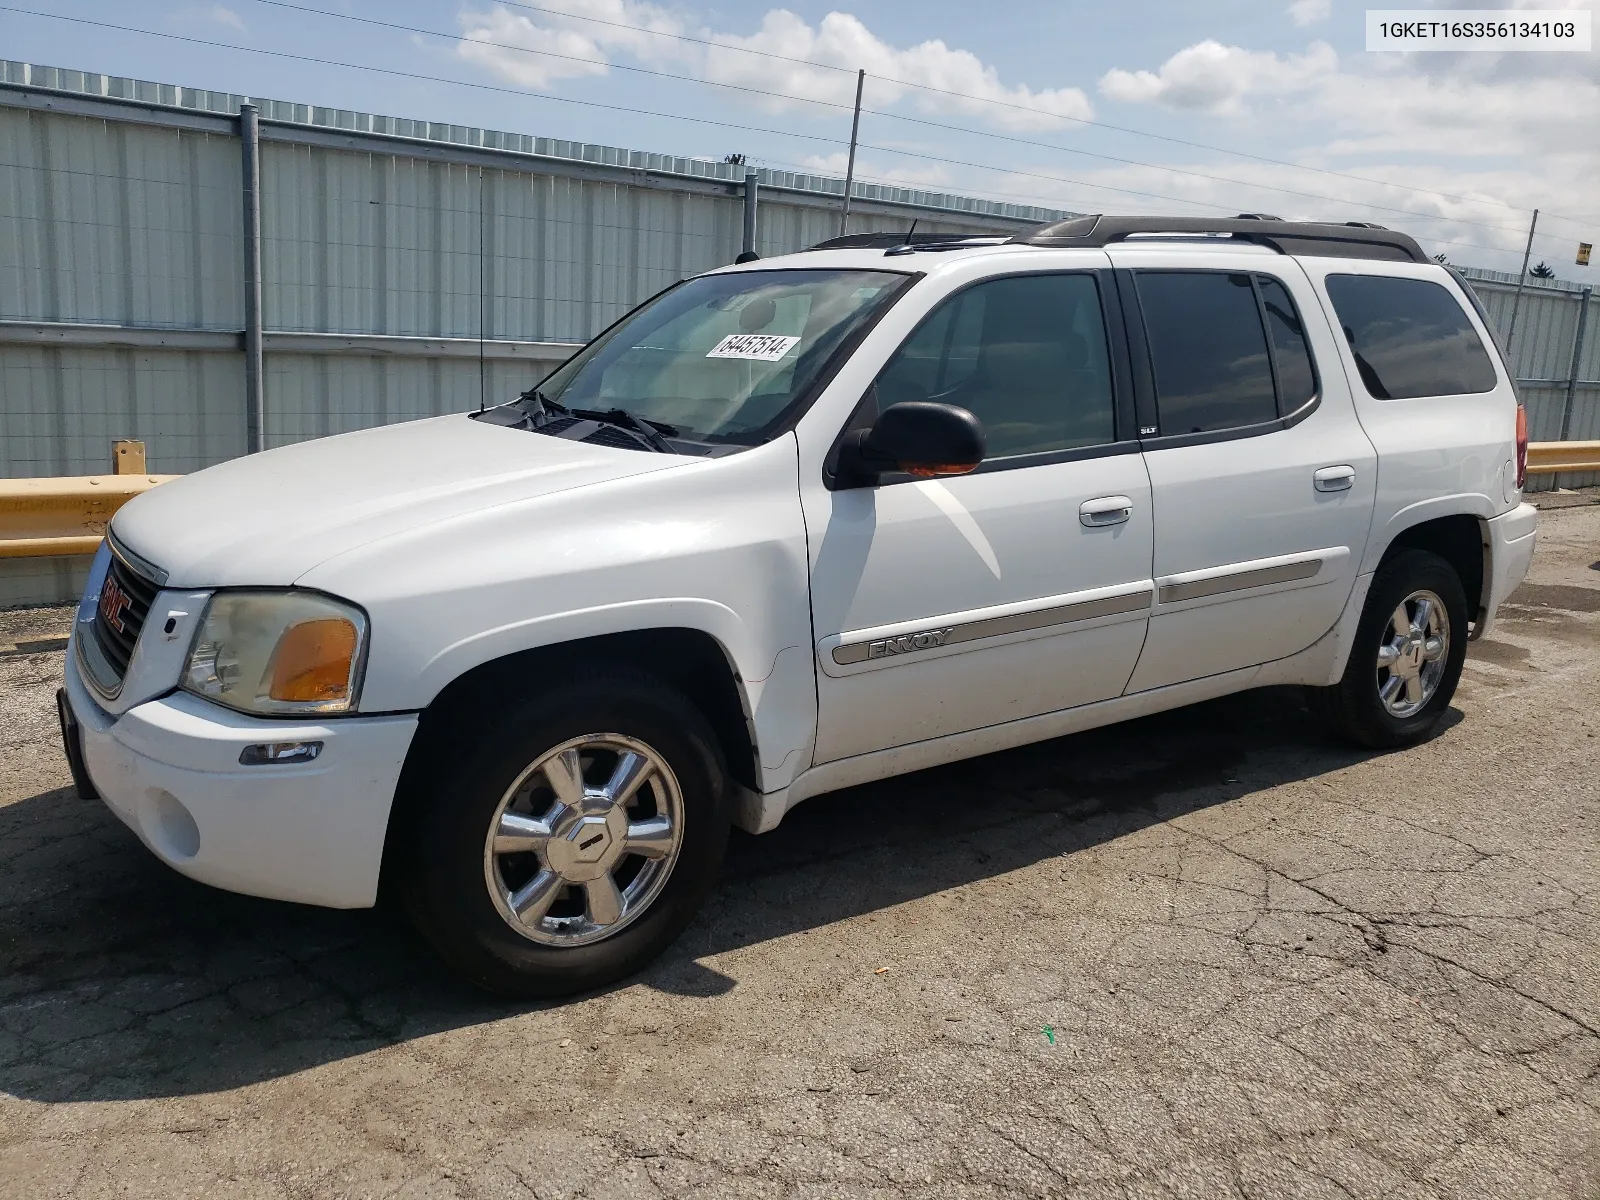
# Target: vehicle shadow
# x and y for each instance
(121, 979)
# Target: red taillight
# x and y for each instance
(1522, 446)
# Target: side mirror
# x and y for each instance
(920, 437)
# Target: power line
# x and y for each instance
(1581, 219)
(1242, 183)
(993, 193)
(978, 192)
(1150, 195)
(634, 111)
(940, 125)
(987, 193)
(484, 87)
(612, 66)
(326, 62)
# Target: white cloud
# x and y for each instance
(1309, 12)
(1487, 131)
(1214, 78)
(487, 39)
(840, 40)
(828, 55)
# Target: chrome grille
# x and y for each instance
(124, 606)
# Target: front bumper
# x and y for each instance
(309, 832)
(1509, 554)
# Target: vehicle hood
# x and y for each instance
(266, 519)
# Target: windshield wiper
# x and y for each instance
(539, 408)
(650, 432)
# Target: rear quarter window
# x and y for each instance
(1410, 337)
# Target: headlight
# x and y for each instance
(278, 652)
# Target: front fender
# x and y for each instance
(554, 629)
(717, 547)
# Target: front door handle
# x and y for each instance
(1105, 510)
(1335, 479)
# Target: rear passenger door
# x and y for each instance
(1262, 480)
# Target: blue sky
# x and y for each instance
(1454, 148)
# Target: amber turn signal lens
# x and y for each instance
(934, 470)
(313, 661)
(1522, 447)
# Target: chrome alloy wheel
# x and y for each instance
(584, 839)
(1411, 658)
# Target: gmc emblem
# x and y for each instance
(113, 603)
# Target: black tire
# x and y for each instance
(1353, 705)
(458, 791)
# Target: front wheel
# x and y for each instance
(568, 839)
(1407, 656)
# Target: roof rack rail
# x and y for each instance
(1354, 239)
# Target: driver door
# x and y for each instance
(945, 605)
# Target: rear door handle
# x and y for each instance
(1105, 510)
(1335, 479)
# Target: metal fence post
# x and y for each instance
(254, 385)
(1577, 361)
(749, 212)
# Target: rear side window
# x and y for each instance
(1297, 378)
(1208, 350)
(1410, 337)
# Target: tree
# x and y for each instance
(1441, 260)
(734, 160)
(1543, 271)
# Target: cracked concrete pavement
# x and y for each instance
(1206, 954)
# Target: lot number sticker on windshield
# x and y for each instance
(763, 347)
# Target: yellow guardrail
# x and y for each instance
(40, 517)
(45, 517)
(1547, 458)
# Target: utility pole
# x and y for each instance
(850, 166)
(1516, 302)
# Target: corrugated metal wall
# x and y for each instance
(1543, 356)
(1541, 359)
(119, 223)
(124, 209)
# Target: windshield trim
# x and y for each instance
(825, 373)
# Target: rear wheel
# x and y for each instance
(1407, 656)
(566, 841)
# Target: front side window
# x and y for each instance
(1208, 350)
(724, 358)
(1410, 337)
(1026, 354)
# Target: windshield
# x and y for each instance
(723, 358)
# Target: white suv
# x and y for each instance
(791, 526)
